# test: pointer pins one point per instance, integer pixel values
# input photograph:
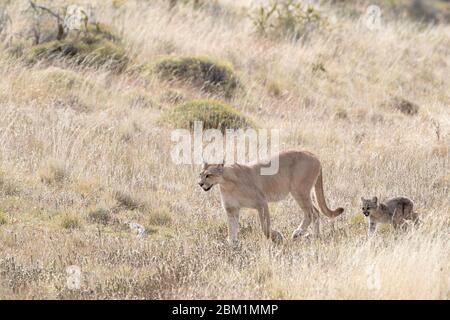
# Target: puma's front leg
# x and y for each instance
(233, 225)
(264, 219)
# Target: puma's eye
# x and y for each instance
(207, 176)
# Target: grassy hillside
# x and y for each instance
(83, 151)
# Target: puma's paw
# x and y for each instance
(276, 236)
(299, 233)
(234, 243)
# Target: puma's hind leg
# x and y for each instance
(264, 218)
(310, 215)
(316, 221)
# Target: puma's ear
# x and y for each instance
(362, 199)
(218, 169)
(205, 165)
(375, 199)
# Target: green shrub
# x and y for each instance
(3, 218)
(70, 220)
(341, 114)
(357, 218)
(213, 114)
(53, 172)
(195, 3)
(126, 201)
(289, 19)
(404, 106)
(101, 216)
(209, 75)
(423, 11)
(103, 31)
(54, 85)
(97, 47)
(173, 96)
(139, 98)
(159, 217)
(54, 79)
(7, 186)
(274, 88)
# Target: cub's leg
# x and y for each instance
(400, 225)
(408, 211)
(305, 203)
(410, 214)
(398, 219)
(233, 225)
(415, 218)
(372, 226)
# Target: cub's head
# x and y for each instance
(369, 205)
(211, 175)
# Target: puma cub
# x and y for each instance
(395, 211)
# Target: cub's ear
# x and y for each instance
(375, 199)
(218, 169)
(205, 165)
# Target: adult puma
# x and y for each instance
(243, 186)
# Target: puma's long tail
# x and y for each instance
(321, 199)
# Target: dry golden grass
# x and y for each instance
(82, 157)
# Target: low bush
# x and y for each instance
(3, 218)
(55, 80)
(127, 201)
(97, 47)
(287, 19)
(53, 172)
(70, 220)
(59, 87)
(7, 186)
(404, 106)
(213, 114)
(100, 216)
(139, 98)
(207, 74)
(159, 217)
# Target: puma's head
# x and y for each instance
(369, 205)
(211, 175)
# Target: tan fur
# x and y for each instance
(244, 187)
(395, 211)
